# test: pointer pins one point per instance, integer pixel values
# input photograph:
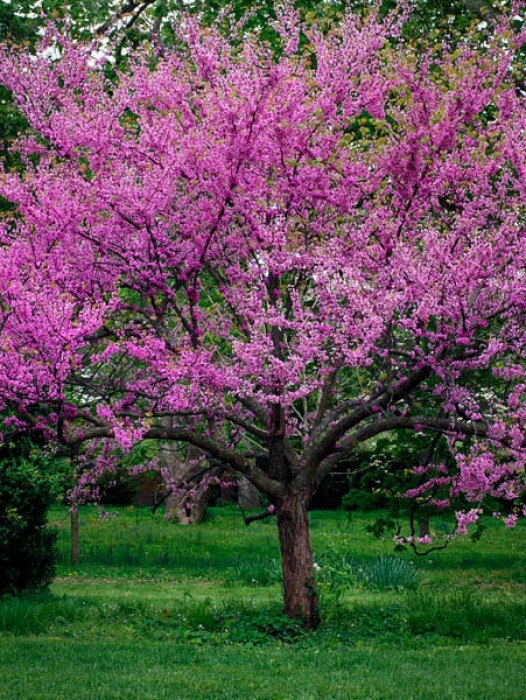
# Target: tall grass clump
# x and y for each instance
(387, 573)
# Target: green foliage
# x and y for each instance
(193, 622)
(383, 472)
(38, 613)
(259, 571)
(331, 492)
(387, 573)
(27, 546)
(261, 627)
(117, 488)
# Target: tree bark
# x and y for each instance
(299, 584)
(247, 495)
(189, 505)
(424, 527)
(187, 510)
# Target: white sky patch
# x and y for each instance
(52, 53)
(102, 54)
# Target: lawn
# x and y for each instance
(156, 610)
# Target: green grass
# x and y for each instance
(156, 610)
(59, 670)
(134, 543)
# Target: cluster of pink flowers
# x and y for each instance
(464, 519)
(292, 256)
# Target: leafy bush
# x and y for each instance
(27, 547)
(260, 628)
(383, 472)
(334, 576)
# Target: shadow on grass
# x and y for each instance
(384, 618)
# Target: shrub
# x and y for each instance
(27, 547)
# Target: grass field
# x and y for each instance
(157, 610)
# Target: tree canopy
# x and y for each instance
(285, 256)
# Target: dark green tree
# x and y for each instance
(28, 485)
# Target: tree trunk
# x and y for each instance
(188, 510)
(299, 584)
(424, 527)
(188, 504)
(75, 536)
(247, 495)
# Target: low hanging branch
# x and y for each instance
(248, 519)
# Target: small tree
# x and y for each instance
(27, 546)
(282, 257)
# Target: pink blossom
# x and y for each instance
(464, 520)
(511, 520)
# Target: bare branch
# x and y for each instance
(131, 10)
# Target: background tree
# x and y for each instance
(283, 257)
(29, 483)
(384, 473)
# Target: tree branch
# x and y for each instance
(322, 449)
(235, 460)
(132, 9)
(442, 425)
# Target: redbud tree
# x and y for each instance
(270, 255)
